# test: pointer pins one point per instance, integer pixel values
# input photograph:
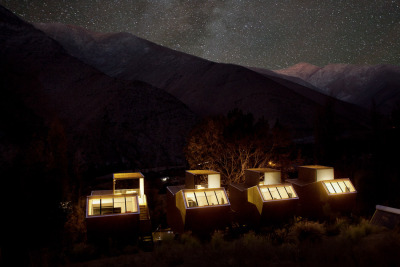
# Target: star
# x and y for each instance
(268, 34)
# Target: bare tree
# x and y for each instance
(233, 144)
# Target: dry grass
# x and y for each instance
(308, 243)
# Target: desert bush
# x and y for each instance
(304, 231)
(334, 229)
(359, 231)
(82, 252)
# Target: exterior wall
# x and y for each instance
(266, 175)
(207, 219)
(198, 219)
(238, 198)
(275, 211)
(316, 203)
(243, 211)
(174, 217)
(190, 180)
(315, 173)
(325, 174)
(214, 180)
(254, 197)
(120, 226)
(252, 178)
(272, 178)
(309, 200)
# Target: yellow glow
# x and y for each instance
(339, 186)
(111, 204)
(205, 197)
(277, 192)
(130, 175)
(202, 172)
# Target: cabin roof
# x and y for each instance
(202, 172)
(263, 170)
(316, 167)
(127, 175)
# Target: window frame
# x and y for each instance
(282, 187)
(92, 198)
(327, 184)
(202, 192)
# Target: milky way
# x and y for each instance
(269, 34)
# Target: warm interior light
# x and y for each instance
(339, 186)
(201, 198)
(274, 192)
(112, 205)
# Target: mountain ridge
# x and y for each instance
(208, 88)
(363, 85)
(106, 120)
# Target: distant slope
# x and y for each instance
(358, 84)
(108, 122)
(206, 87)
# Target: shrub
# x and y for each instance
(359, 231)
(306, 231)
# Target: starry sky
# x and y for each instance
(271, 34)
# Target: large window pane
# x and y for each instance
(290, 192)
(274, 193)
(211, 197)
(330, 188)
(336, 187)
(201, 199)
(190, 200)
(350, 186)
(343, 187)
(282, 192)
(265, 193)
(94, 209)
(106, 206)
(119, 205)
(131, 204)
(221, 197)
(339, 186)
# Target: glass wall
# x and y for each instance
(274, 192)
(201, 198)
(106, 205)
(339, 186)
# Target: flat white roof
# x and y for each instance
(201, 172)
(316, 167)
(388, 209)
(127, 175)
(263, 170)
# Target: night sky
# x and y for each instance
(270, 34)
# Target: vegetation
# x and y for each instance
(342, 242)
(237, 142)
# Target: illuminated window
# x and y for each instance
(339, 186)
(112, 205)
(201, 198)
(273, 192)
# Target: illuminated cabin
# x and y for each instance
(201, 205)
(263, 198)
(121, 212)
(320, 192)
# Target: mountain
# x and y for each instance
(206, 87)
(105, 121)
(362, 85)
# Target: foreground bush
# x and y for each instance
(301, 243)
